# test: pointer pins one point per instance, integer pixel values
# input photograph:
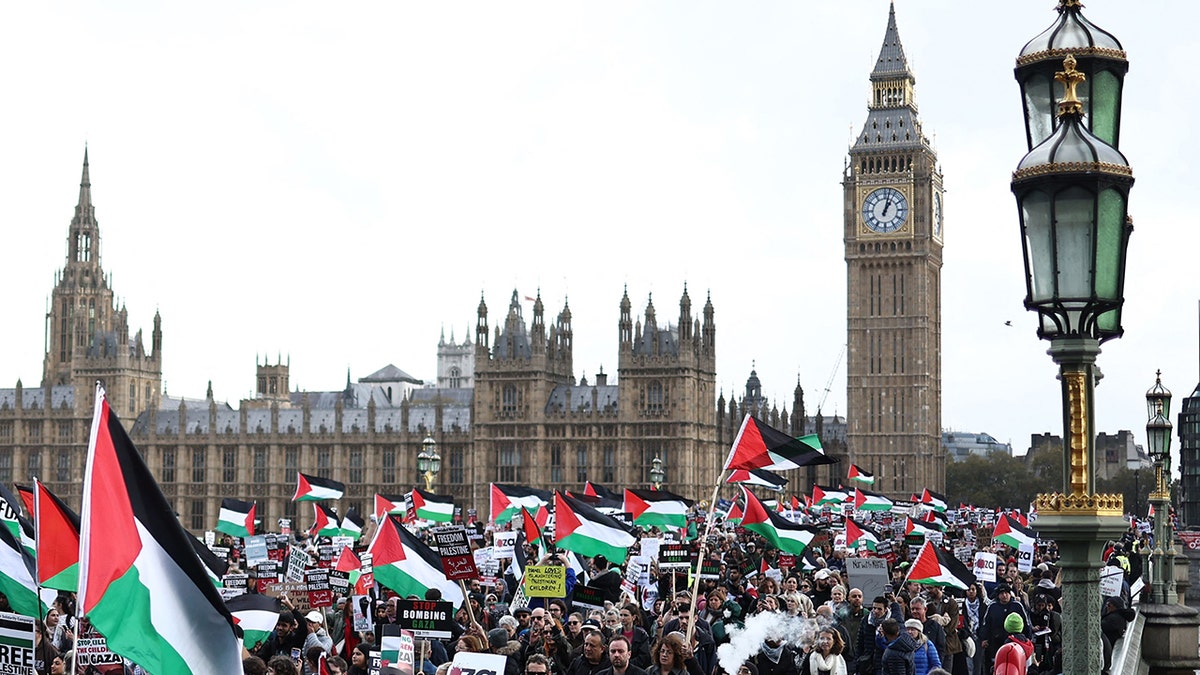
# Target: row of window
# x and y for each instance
(260, 465)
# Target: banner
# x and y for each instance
(17, 655)
(546, 581)
(425, 619)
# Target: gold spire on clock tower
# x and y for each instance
(893, 234)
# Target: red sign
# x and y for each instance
(787, 560)
(1190, 539)
(458, 562)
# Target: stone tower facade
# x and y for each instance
(893, 236)
(87, 334)
(455, 363)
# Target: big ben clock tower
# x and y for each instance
(893, 236)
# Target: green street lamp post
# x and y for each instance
(657, 474)
(429, 462)
(1158, 438)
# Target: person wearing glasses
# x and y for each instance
(537, 665)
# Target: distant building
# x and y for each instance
(1189, 459)
(1113, 452)
(960, 445)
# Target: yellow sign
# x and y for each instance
(546, 581)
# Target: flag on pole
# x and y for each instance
(255, 614)
(429, 506)
(352, 524)
(1009, 531)
(584, 530)
(507, 499)
(657, 508)
(917, 527)
(861, 536)
(596, 490)
(388, 504)
(870, 501)
(317, 489)
(759, 477)
(735, 514)
(403, 563)
(828, 495)
(781, 532)
(236, 518)
(325, 521)
(140, 583)
(935, 567)
(937, 501)
(860, 475)
(20, 526)
(57, 528)
(18, 577)
(760, 446)
(214, 566)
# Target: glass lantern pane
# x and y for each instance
(1039, 107)
(1110, 321)
(1035, 216)
(1105, 103)
(1073, 239)
(1110, 216)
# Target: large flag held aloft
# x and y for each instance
(827, 495)
(325, 521)
(429, 506)
(387, 504)
(255, 614)
(57, 528)
(403, 563)
(506, 500)
(584, 530)
(657, 508)
(779, 531)
(937, 501)
(236, 518)
(871, 501)
(1009, 531)
(317, 489)
(140, 583)
(760, 446)
(860, 475)
(935, 567)
(18, 577)
(759, 477)
(352, 524)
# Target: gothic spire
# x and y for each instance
(892, 63)
(85, 185)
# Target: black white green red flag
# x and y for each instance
(352, 524)
(935, 567)
(584, 530)
(761, 446)
(860, 475)
(759, 477)
(865, 500)
(429, 506)
(937, 501)
(782, 533)
(57, 528)
(1010, 531)
(18, 577)
(388, 504)
(255, 614)
(657, 508)
(236, 518)
(325, 522)
(317, 489)
(918, 528)
(507, 500)
(405, 564)
(828, 495)
(140, 583)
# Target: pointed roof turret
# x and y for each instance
(892, 63)
(85, 185)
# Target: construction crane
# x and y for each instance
(829, 382)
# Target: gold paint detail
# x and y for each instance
(1056, 503)
(1070, 78)
(1069, 4)
(1072, 167)
(1059, 53)
(1077, 430)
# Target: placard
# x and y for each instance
(93, 651)
(396, 651)
(674, 557)
(339, 582)
(268, 573)
(210, 538)
(18, 655)
(588, 596)
(787, 560)
(366, 580)
(297, 561)
(503, 544)
(710, 569)
(473, 663)
(633, 575)
(650, 546)
(869, 574)
(361, 605)
(426, 619)
(319, 593)
(1025, 559)
(545, 581)
(985, 567)
(1111, 581)
(458, 562)
(256, 550)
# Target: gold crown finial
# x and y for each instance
(1070, 79)
(1069, 4)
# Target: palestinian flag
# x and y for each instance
(602, 504)
(57, 528)
(349, 563)
(1009, 531)
(18, 575)
(255, 614)
(860, 475)
(870, 501)
(657, 508)
(325, 522)
(759, 446)
(596, 490)
(735, 514)
(779, 531)
(429, 506)
(403, 563)
(584, 530)
(935, 567)
(388, 505)
(352, 525)
(317, 489)
(917, 527)
(759, 477)
(17, 524)
(828, 495)
(236, 518)
(858, 537)
(531, 528)
(937, 519)
(506, 499)
(938, 502)
(140, 583)
(214, 566)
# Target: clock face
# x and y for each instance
(937, 214)
(885, 210)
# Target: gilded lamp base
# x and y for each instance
(1058, 504)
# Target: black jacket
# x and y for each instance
(898, 656)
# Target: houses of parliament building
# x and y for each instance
(506, 408)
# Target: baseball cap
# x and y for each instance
(313, 617)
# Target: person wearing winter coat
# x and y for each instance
(925, 654)
(826, 655)
(898, 649)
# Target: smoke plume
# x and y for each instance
(745, 642)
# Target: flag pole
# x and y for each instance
(700, 552)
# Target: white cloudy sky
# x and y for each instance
(338, 182)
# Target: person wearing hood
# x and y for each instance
(500, 642)
(898, 649)
(1114, 619)
(992, 630)
(776, 658)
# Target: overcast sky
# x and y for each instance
(340, 183)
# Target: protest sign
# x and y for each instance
(426, 619)
(396, 651)
(545, 581)
(256, 550)
(17, 657)
(339, 582)
(473, 663)
(650, 546)
(297, 561)
(674, 557)
(503, 544)
(869, 574)
(366, 580)
(710, 569)
(210, 538)
(985, 566)
(963, 553)
(233, 585)
(361, 605)
(1111, 580)
(319, 592)
(587, 596)
(458, 562)
(1025, 559)
(268, 573)
(786, 560)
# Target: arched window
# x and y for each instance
(509, 401)
(654, 397)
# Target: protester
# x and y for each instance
(897, 647)
(43, 651)
(826, 656)
(281, 665)
(925, 655)
(619, 657)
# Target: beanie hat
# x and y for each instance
(497, 638)
(913, 623)
(1013, 623)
